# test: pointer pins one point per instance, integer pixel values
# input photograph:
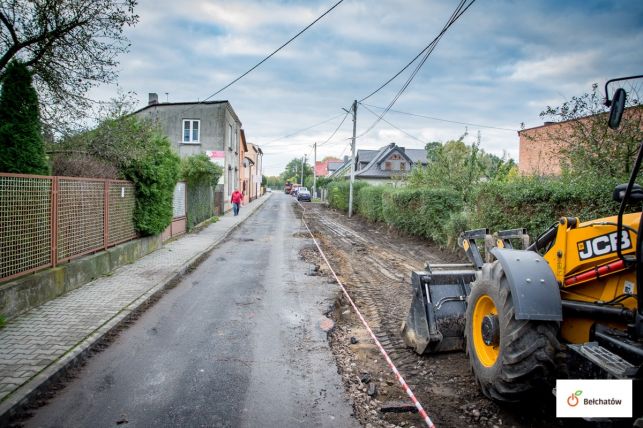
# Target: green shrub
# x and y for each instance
(457, 223)
(198, 169)
(421, 211)
(154, 174)
(200, 174)
(536, 203)
(338, 194)
(370, 203)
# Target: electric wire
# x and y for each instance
(444, 29)
(458, 12)
(275, 51)
(335, 131)
(441, 120)
(292, 134)
(396, 127)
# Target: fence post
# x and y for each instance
(54, 222)
(106, 213)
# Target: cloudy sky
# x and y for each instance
(498, 66)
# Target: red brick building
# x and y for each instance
(540, 147)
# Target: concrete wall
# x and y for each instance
(22, 294)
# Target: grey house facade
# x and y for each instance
(210, 127)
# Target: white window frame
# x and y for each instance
(191, 139)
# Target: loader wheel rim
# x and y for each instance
(484, 315)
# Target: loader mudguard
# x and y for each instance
(534, 288)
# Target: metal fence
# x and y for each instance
(48, 220)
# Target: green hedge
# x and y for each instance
(370, 202)
(154, 175)
(201, 175)
(200, 203)
(536, 203)
(421, 212)
(338, 194)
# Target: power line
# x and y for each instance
(440, 120)
(457, 13)
(444, 29)
(396, 127)
(335, 131)
(292, 134)
(274, 52)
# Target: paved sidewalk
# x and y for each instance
(38, 345)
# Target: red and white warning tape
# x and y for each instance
(399, 377)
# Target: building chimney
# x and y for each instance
(153, 99)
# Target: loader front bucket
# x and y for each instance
(436, 319)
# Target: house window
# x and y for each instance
(230, 137)
(191, 131)
(387, 166)
(402, 166)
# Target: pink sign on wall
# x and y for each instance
(216, 156)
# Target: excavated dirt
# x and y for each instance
(375, 265)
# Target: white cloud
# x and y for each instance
(554, 66)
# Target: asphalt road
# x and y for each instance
(236, 344)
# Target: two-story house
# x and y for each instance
(210, 127)
(388, 165)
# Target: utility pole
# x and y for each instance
(303, 164)
(350, 188)
(315, 171)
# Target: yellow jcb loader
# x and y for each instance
(572, 294)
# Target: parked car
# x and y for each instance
(304, 195)
(294, 191)
(268, 190)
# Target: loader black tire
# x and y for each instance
(524, 350)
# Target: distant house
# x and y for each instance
(386, 166)
(321, 167)
(254, 158)
(540, 147)
(210, 127)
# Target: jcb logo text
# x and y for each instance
(602, 245)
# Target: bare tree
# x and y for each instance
(70, 46)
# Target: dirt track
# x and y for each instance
(375, 265)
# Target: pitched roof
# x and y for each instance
(416, 155)
(373, 168)
(341, 170)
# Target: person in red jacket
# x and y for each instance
(236, 199)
